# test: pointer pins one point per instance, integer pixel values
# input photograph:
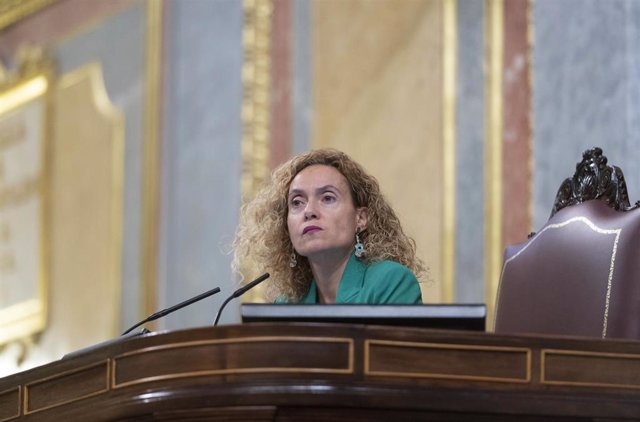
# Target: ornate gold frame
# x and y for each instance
(32, 82)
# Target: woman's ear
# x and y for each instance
(362, 218)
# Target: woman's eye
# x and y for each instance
(328, 198)
(295, 203)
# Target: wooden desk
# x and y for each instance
(321, 372)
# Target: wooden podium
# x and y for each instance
(328, 372)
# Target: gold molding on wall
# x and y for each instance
(151, 159)
(12, 11)
(450, 52)
(256, 117)
(494, 37)
(256, 82)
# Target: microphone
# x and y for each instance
(242, 290)
(180, 305)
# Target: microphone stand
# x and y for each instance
(167, 311)
(153, 317)
(242, 290)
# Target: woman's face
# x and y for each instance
(322, 217)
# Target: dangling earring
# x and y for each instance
(292, 260)
(359, 246)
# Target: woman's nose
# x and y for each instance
(309, 213)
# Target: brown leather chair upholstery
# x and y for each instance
(580, 274)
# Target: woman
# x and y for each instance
(327, 235)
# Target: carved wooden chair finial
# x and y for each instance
(593, 179)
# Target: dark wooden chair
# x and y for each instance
(580, 274)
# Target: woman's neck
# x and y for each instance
(327, 271)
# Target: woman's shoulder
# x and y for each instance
(389, 282)
(389, 273)
(383, 268)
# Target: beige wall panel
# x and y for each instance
(377, 87)
(86, 197)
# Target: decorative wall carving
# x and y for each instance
(256, 118)
(24, 136)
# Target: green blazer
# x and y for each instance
(384, 282)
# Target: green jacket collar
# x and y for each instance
(350, 284)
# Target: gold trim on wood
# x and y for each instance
(106, 388)
(347, 370)
(11, 11)
(578, 354)
(151, 170)
(450, 47)
(444, 346)
(494, 46)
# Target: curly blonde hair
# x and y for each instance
(262, 237)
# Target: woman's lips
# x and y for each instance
(310, 229)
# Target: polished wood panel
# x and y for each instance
(313, 372)
(447, 361)
(10, 403)
(234, 356)
(566, 367)
(67, 387)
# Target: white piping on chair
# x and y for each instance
(596, 229)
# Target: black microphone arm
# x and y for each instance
(180, 305)
(242, 290)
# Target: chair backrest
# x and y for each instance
(580, 274)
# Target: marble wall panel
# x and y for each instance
(585, 91)
(202, 158)
(469, 272)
